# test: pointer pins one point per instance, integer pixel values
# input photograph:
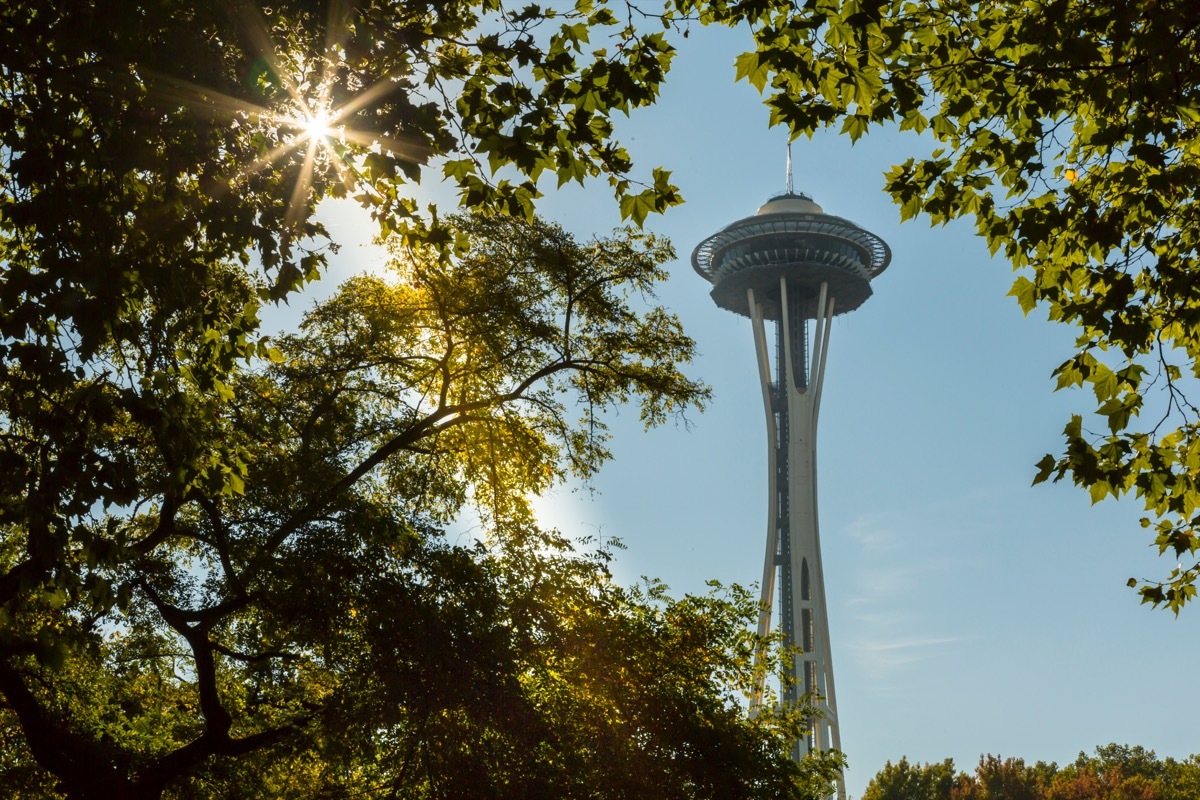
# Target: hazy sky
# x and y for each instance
(969, 612)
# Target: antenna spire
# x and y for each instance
(789, 168)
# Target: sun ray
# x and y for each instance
(250, 20)
(261, 163)
(415, 151)
(347, 175)
(365, 98)
(200, 100)
(303, 184)
(337, 32)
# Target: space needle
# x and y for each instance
(795, 266)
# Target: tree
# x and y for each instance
(1010, 778)
(1115, 772)
(1066, 130)
(1119, 772)
(221, 562)
(905, 781)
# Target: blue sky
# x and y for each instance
(969, 612)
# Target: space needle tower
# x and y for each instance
(795, 266)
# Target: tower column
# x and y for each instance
(801, 387)
(789, 264)
(771, 558)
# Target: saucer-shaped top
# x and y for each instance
(791, 237)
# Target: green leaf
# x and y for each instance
(749, 67)
(1045, 466)
(637, 206)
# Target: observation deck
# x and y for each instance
(790, 237)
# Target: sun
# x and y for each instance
(314, 124)
(318, 125)
(306, 116)
(307, 125)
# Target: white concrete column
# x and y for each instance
(769, 566)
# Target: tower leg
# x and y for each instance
(770, 559)
(812, 668)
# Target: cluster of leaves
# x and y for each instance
(1068, 133)
(1115, 772)
(563, 127)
